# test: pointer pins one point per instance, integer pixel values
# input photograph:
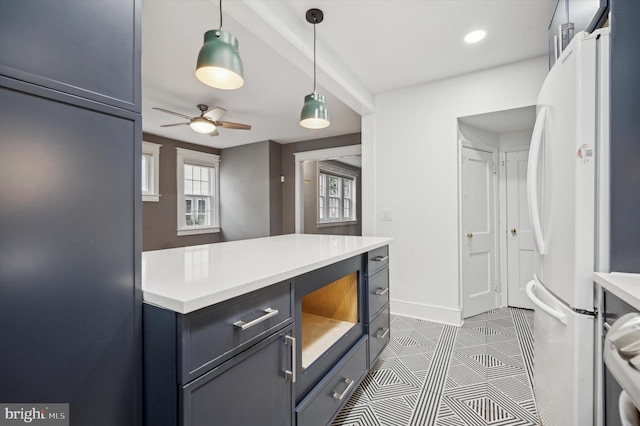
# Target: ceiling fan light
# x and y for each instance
(219, 64)
(315, 114)
(202, 125)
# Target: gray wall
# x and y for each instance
(310, 189)
(250, 193)
(159, 220)
(275, 187)
(253, 201)
(288, 171)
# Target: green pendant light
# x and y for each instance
(219, 63)
(315, 114)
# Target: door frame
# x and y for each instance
(464, 143)
(503, 242)
(316, 155)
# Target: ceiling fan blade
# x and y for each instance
(215, 113)
(173, 113)
(171, 125)
(230, 125)
(214, 133)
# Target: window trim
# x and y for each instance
(343, 173)
(152, 149)
(198, 158)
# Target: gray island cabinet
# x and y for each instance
(269, 331)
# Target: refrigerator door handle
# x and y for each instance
(560, 316)
(532, 180)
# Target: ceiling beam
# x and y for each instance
(277, 24)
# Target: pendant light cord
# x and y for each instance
(314, 54)
(220, 15)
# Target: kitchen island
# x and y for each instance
(623, 285)
(226, 327)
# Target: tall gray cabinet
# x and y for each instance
(70, 240)
(625, 128)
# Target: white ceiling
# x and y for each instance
(364, 48)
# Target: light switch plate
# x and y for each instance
(387, 214)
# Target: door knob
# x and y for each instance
(469, 234)
(513, 232)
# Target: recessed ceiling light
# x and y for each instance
(475, 36)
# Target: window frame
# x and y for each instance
(343, 174)
(203, 159)
(153, 175)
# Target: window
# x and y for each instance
(198, 204)
(336, 195)
(150, 175)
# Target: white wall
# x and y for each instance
(415, 172)
(477, 137)
(520, 138)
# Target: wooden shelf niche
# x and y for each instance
(328, 314)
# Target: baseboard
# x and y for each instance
(427, 312)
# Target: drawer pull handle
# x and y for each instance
(380, 335)
(380, 258)
(291, 374)
(382, 291)
(268, 313)
(340, 396)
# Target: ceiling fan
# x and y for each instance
(207, 122)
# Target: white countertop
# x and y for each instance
(623, 285)
(185, 279)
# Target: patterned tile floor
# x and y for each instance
(436, 374)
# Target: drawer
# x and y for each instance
(324, 401)
(379, 335)
(378, 289)
(214, 334)
(377, 259)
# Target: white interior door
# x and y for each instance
(478, 236)
(520, 246)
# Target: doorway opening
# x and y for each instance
(495, 245)
(328, 187)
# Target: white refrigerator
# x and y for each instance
(567, 182)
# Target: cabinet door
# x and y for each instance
(69, 296)
(89, 49)
(249, 389)
(625, 128)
